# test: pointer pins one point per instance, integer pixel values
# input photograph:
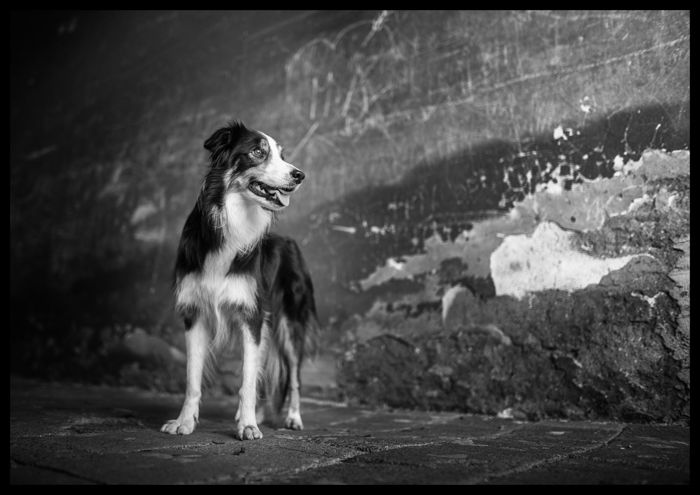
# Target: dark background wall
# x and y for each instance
(417, 131)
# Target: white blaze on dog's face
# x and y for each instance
(268, 179)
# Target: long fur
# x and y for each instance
(231, 270)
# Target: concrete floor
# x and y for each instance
(65, 433)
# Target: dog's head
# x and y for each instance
(251, 163)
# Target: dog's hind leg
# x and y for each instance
(292, 357)
(197, 342)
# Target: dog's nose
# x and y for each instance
(298, 175)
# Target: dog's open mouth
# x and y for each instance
(278, 196)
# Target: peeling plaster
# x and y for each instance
(392, 270)
(655, 164)
(547, 260)
(448, 300)
(473, 248)
(584, 208)
(587, 205)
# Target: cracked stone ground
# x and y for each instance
(62, 433)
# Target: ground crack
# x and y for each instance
(552, 460)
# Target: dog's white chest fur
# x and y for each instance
(244, 224)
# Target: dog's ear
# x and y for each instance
(224, 136)
(218, 140)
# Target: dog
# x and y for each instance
(234, 280)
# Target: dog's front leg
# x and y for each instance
(197, 343)
(247, 427)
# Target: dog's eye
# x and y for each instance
(257, 152)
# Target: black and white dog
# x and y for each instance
(233, 278)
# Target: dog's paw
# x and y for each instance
(179, 426)
(248, 432)
(293, 423)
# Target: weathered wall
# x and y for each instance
(587, 321)
(444, 151)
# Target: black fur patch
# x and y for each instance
(198, 238)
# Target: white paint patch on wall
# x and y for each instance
(142, 212)
(392, 270)
(546, 260)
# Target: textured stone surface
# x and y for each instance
(63, 433)
(595, 353)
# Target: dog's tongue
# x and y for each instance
(283, 198)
